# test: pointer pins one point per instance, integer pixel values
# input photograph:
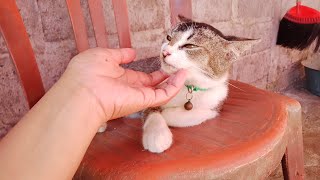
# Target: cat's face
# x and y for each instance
(201, 48)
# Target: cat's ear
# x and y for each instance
(183, 18)
(240, 45)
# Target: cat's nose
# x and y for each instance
(165, 53)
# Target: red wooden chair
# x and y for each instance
(255, 132)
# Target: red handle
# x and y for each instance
(298, 6)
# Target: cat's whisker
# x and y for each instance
(205, 72)
(236, 87)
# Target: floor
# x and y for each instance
(311, 133)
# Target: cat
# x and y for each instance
(207, 54)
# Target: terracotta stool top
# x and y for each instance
(251, 121)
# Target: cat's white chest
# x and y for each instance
(178, 100)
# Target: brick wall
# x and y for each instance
(267, 66)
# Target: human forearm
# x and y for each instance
(50, 141)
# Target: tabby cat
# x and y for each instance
(207, 55)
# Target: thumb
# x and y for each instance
(170, 88)
(121, 56)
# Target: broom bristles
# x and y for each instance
(315, 37)
(298, 36)
(318, 43)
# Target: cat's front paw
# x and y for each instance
(157, 140)
(102, 128)
(157, 137)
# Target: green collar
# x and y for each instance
(195, 88)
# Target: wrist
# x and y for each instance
(82, 96)
(59, 130)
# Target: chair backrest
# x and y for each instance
(20, 49)
(182, 7)
(18, 43)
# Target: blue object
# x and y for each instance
(313, 80)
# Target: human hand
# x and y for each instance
(120, 91)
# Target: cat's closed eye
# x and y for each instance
(168, 38)
(189, 46)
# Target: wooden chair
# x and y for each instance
(254, 133)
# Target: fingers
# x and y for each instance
(166, 91)
(156, 78)
(121, 56)
(170, 88)
(141, 78)
(138, 98)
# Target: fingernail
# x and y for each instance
(129, 52)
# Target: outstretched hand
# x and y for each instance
(120, 91)
(60, 127)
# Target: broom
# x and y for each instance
(299, 28)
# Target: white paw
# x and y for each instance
(102, 128)
(134, 116)
(157, 140)
(157, 137)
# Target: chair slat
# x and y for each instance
(96, 13)
(78, 24)
(122, 22)
(20, 49)
(182, 7)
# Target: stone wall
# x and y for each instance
(47, 22)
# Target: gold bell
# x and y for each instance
(188, 105)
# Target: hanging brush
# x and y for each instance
(299, 28)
